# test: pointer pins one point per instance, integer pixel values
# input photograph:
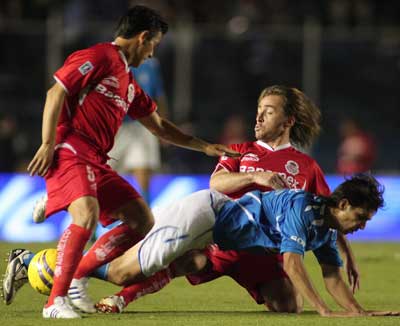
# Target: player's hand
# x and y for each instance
(382, 313)
(220, 150)
(42, 160)
(270, 179)
(353, 274)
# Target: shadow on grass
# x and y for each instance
(217, 312)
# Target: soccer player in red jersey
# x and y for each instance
(285, 118)
(94, 91)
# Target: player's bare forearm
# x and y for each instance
(351, 267)
(229, 182)
(294, 267)
(338, 289)
(167, 131)
(52, 109)
(44, 155)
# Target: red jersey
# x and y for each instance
(100, 91)
(298, 169)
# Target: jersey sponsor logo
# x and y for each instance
(250, 157)
(100, 88)
(292, 167)
(111, 81)
(290, 179)
(299, 240)
(85, 68)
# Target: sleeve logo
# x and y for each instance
(85, 68)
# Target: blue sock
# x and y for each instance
(27, 258)
(101, 272)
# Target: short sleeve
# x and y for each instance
(229, 163)
(318, 184)
(294, 229)
(82, 68)
(142, 104)
(328, 253)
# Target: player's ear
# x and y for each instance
(290, 121)
(143, 36)
(343, 203)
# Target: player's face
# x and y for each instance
(145, 49)
(350, 218)
(271, 121)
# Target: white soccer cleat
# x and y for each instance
(77, 293)
(39, 210)
(60, 309)
(113, 304)
(16, 274)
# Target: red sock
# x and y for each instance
(109, 246)
(69, 253)
(150, 285)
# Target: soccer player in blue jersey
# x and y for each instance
(286, 221)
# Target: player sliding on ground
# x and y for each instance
(287, 221)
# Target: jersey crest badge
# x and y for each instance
(292, 167)
(131, 93)
(85, 68)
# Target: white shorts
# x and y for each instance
(182, 226)
(135, 147)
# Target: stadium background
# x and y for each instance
(218, 55)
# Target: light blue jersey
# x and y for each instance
(281, 221)
(148, 76)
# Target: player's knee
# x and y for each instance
(192, 262)
(85, 213)
(137, 215)
(285, 306)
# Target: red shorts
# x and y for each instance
(78, 170)
(247, 269)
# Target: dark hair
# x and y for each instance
(361, 190)
(306, 114)
(138, 19)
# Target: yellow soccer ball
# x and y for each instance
(41, 270)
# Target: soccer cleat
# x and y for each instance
(16, 274)
(113, 304)
(77, 293)
(60, 309)
(39, 210)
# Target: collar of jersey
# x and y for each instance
(277, 148)
(123, 57)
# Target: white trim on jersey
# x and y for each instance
(219, 164)
(67, 146)
(277, 148)
(123, 57)
(61, 84)
(253, 196)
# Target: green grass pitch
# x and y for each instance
(222, 302)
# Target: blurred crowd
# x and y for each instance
(241, 46)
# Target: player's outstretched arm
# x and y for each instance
(167, 131)
(52, 109)
(352, 271)
(338, 289)
(344, 297)
(295, 269)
